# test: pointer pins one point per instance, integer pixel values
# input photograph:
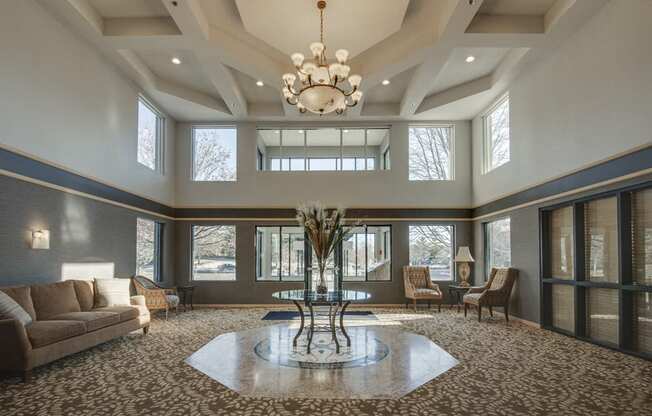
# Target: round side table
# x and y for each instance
(186, 295)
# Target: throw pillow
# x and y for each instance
(112, 292)
(9, 309)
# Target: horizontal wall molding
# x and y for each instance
(622, 167)
(280, 214)
(619, 168)
(26, 168)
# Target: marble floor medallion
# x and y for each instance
(382, 362)
(365, 349)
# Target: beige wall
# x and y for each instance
(62, 102)
(378, 188)
(590, 100)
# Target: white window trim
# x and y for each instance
(160, 136)
(453, 151)
(192, 149)
(486, 149)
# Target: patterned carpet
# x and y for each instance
(504, 370)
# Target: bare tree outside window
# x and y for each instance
(497, 135)
(145, 247)
(213, 252)
(214, 154)
(498, 240)
(431, 153)
(432, 246)
(148, 136)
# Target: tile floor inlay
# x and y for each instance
(365, 349)
(382, 362)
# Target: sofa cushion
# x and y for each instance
(112, 292)
(85, 294)
(43, 333)
(21, 295)
(54, 299)
(93, 320)
(126, 313)
(10, 309)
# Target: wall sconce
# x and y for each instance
(41, 240)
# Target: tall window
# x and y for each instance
(496, 135)
(280, 254)
(148, 248)
(498, 244)
(327, 149)
(432, 246)
(150, 135)
(214, 151)
(366, 254)
(431, 153)
(213, 252)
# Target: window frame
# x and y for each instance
(487, 245)
(366, 255)
(453, 247)
(377, 159)
(626, 287)
(195, 127)
(487, 156)
(280, 254)
(308, 254)
(159, 137)
(453, 150)
(157, 261)
(192, 250)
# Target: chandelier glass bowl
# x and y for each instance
(319, 86)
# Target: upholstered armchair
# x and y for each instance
(418, 286)
(495, 292)
(156, 297)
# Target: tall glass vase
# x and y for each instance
(322, 287)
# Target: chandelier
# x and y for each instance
(322, 88)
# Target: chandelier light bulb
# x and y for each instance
(342, 55)
(317, 48)
(297, 59)
(356, 96)
(289, 79)
(309, 68)
(303, 77)
(355, 80)
(345, 71)
(286, 92)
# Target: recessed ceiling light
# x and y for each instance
(385, 82)
(176, 61)
(300, 131)
(346, 131)
(260, 83)
(470, 59)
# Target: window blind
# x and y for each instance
(561, 243)
(602, 315)
(563, 307)
(601, 240)
(642, 236)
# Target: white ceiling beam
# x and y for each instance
(453, 25)
(88, 12)
(489, 23)
(149, 80)
(191, 20)
(140, 26)
(500, 40)
(456, 93)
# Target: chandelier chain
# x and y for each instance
(321, 25)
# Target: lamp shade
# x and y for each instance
(464, 255)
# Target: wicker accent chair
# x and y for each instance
(495, 292)
(156, 297)
(419, 286)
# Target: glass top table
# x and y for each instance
(311, 296)
(337, 302)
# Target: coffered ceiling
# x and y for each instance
(419, 46)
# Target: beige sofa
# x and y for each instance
(65, 321)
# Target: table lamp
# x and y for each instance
(464, 258)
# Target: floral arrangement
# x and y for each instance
(325, 230)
